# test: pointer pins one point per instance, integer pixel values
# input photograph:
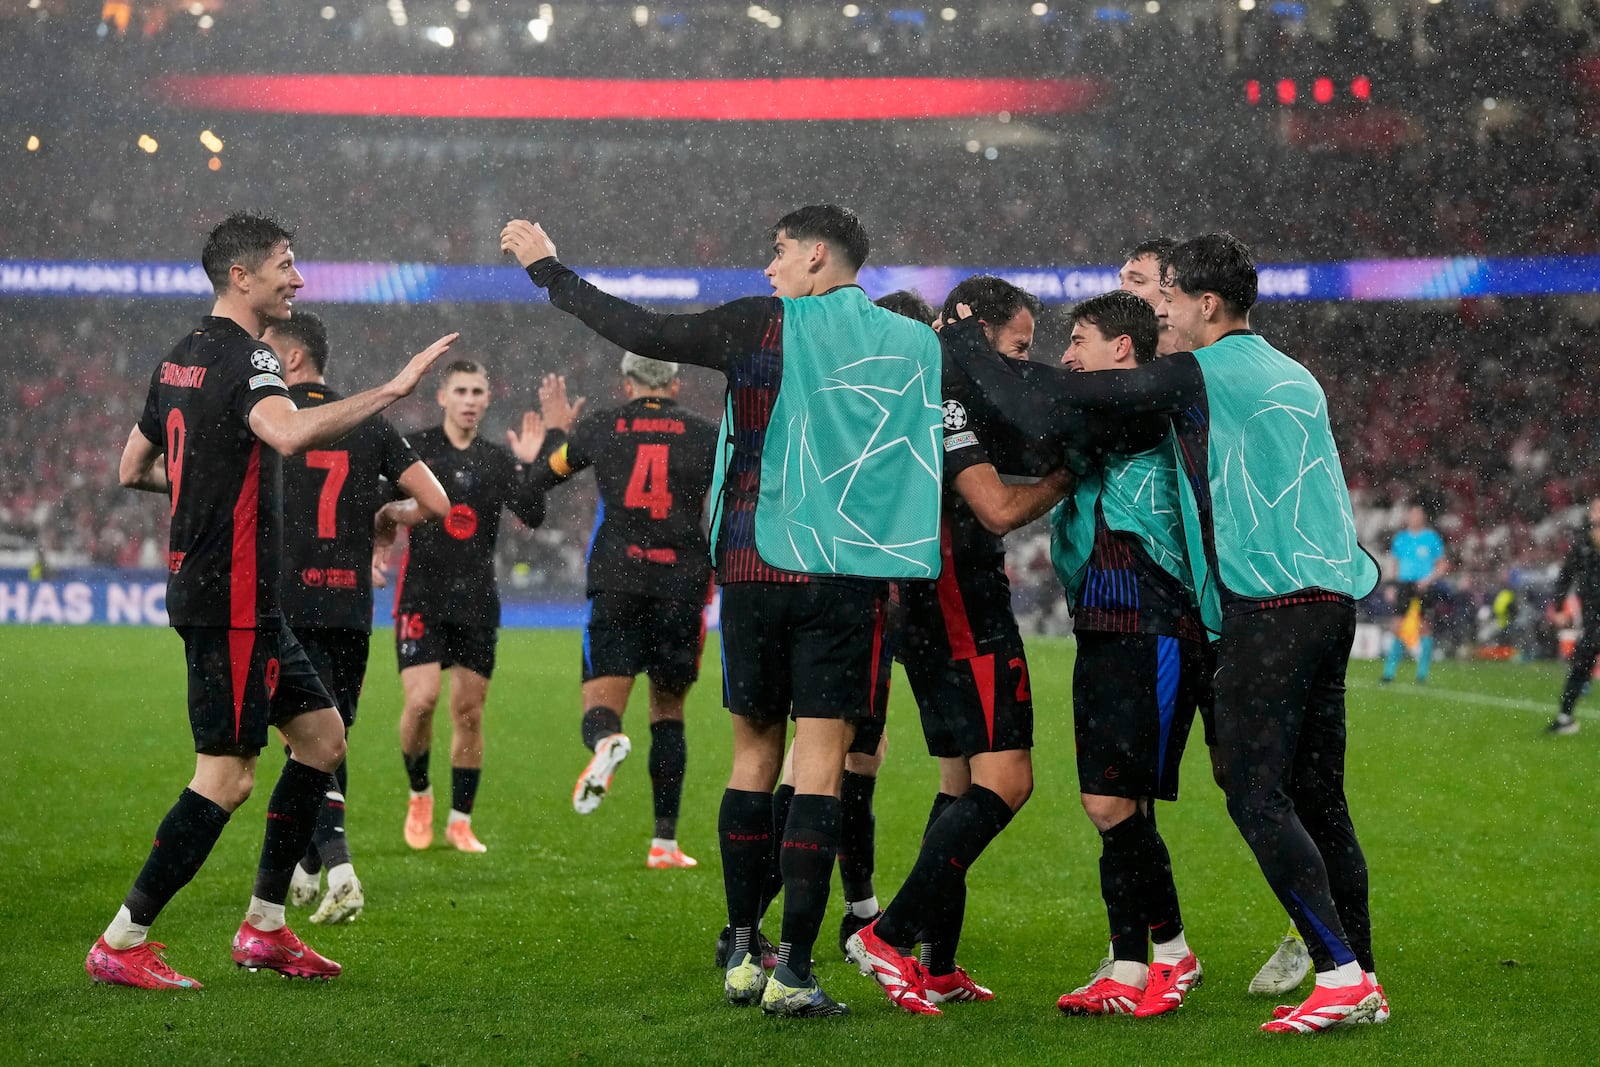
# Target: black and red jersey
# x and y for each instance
(330, 495)
(224, 484)
(652, 463)
(967, 612)
(448, 571)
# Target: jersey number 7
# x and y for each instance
(647, 485)
(337, 464)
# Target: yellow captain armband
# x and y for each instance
(559, 464)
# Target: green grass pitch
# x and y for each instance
(558, 946)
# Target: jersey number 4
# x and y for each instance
(647, 485)
(337, 464)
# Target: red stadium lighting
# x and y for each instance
(1361, 88)
(1286, 91)
(601, 98)
(1252, 92)
(1322, 90)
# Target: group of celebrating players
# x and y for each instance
(871, 458)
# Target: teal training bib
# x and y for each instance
(851, 472)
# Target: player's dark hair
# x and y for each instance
(1214, 263)
(1120, 312)
(307, 329)
(1160, 247)
(245, 238)
(464, 366)
(994, 300)
(905, 302)
(837, 226)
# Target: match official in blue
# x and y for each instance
(1417, 561)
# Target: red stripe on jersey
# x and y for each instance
(957, 627)
(983, 677)
(241, 645)
(242, 576)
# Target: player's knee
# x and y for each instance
(468, 716)
(864, 763)
(1105, 812)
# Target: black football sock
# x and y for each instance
(464, 788)
(744, 829)
(857, 830)
(1124, 885)
(417, 770)
(183, 841)
(669, 756)
(1162, 912)
(782, 799)
(952, 845)
(600, 722)
(328, 839)
(943, 935)
(291, 818)
(810, 843)
(940, 802)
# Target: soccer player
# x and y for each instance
(964, 660)
(213, 403)
(1141, 275)
(334, 499)
(447, 606)
(820, 382)
(1417, 560)
(649, 576)
(1580, 572)
(1140, 673)
(857, 821)
(1278, 587)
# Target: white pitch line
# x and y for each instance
(1428, 692)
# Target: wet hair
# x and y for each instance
(1214, 263)
(650, 373)
(1160, 247)
(1120, 312)
(464, 366)
(994, 300)
(829, 223)
(245, 238)
(905, 302)
(306, 328)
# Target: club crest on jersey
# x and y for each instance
(955, 416)
(461, 522)
(263, 359)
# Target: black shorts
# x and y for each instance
(340, 658)
(869, 731)
(243, 681)
(628, 635)
(969, 706)
(1133, 702)
(1406, 592)
(810, 650)
(420, 639)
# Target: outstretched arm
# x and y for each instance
(1056, 404)
(291, 431)
(711, 338)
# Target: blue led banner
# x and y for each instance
(421, 283)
